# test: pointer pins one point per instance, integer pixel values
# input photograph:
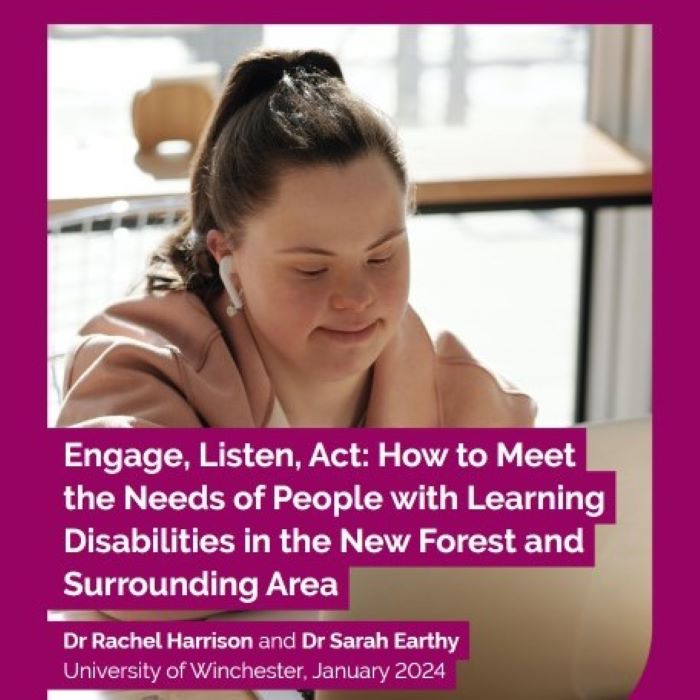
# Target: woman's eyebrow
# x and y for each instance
(386, 237)
(311, 250)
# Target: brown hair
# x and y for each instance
(277, 110)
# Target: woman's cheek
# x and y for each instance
(393, 290)
(299, 303)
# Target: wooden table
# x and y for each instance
(453, 167)
(506, 168)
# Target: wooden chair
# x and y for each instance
(176, 110)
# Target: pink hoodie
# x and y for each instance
(167, 360)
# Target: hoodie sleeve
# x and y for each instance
(475, 397)
(114, 382)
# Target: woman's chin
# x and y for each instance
(338, 354)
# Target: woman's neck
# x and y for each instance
(319, 404)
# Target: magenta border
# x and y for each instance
(27, 507)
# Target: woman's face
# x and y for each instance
(324, 268)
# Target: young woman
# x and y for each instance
(282, 300)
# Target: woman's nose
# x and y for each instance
(353, 295)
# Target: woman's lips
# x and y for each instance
(349, 336)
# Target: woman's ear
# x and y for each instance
(218, 245)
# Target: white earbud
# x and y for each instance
(225, 271)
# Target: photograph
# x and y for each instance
(372, 226)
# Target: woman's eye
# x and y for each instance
(316, 272)
(379, 261)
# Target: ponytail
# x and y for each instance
(277, 110)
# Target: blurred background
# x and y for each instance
(525, 289)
